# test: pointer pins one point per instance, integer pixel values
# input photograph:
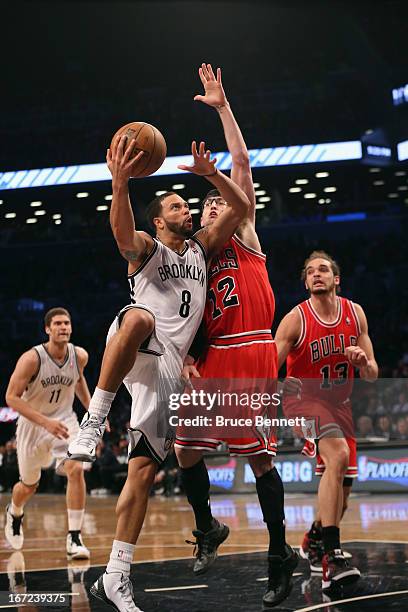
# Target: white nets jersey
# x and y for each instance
(52, 391)
(173, 287)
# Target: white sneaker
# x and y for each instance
(116, 590)
(76, 549)
(91, 431)
(13, 529)
(15, 573)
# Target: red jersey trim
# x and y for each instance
(355, 315)
(247, 248)
(302, 336)
(326, 323)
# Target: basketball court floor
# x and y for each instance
(375, 532)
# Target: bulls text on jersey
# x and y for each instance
(326, 345)
(224, 261)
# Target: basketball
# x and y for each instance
(150, 141)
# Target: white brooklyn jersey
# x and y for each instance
(52, 391)
(173, 287)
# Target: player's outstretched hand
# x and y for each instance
(356, 356)
(120, 161)
(203, 165)
(214, 94)
(57, 429)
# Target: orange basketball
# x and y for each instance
(150, 141)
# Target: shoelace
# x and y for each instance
(16, 525)
(126, 588)
(196, 551)
(201, 545)
(88, 431)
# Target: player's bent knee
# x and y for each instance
(28, 489)
(141, 473)
(73, 469)
(260, 464)
(187, 457)
(137, 320)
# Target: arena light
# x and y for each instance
(301, 181)
(357, 216)
(260, 192)
(259, 206)
(377, 183)
(39, 213)
(310, 196)
(82, 194)
(374, 170)
(35, 203)
(393, 195)
(264, 199)
(400, 173)
(328, 200)
(102, 207)
(57, 216)
(1, 202)
(256, 185)
(10, 215)
(321, 174)
(108, 198)
(259, 158)
(193, 200)
(178, 186)
(194, 211)
(330, 189)
(295, 190)
(57, 221)
(160, 192)
(321, 201)
(403, 188)
(402, 150)
(31, 220)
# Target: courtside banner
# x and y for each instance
(382, 470)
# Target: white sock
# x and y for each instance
(75, 519)
(121, 557)
(16, 510)
(101, 402)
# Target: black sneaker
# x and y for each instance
(312, 549)
(206, 545)
(280, 577)
(337, 570)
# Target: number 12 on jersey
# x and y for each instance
(226, 286)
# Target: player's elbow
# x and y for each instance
(11, 399)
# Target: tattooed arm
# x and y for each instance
(133, 245)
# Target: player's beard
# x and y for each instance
(322, 290)
(179, 229)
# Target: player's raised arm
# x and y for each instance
(26, 369)
(214, 95)
(362, 355)
(216, 235)
(132, 245)
(287, 335)
(81, 389)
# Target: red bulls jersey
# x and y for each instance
(319, 352)
(240, 303)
